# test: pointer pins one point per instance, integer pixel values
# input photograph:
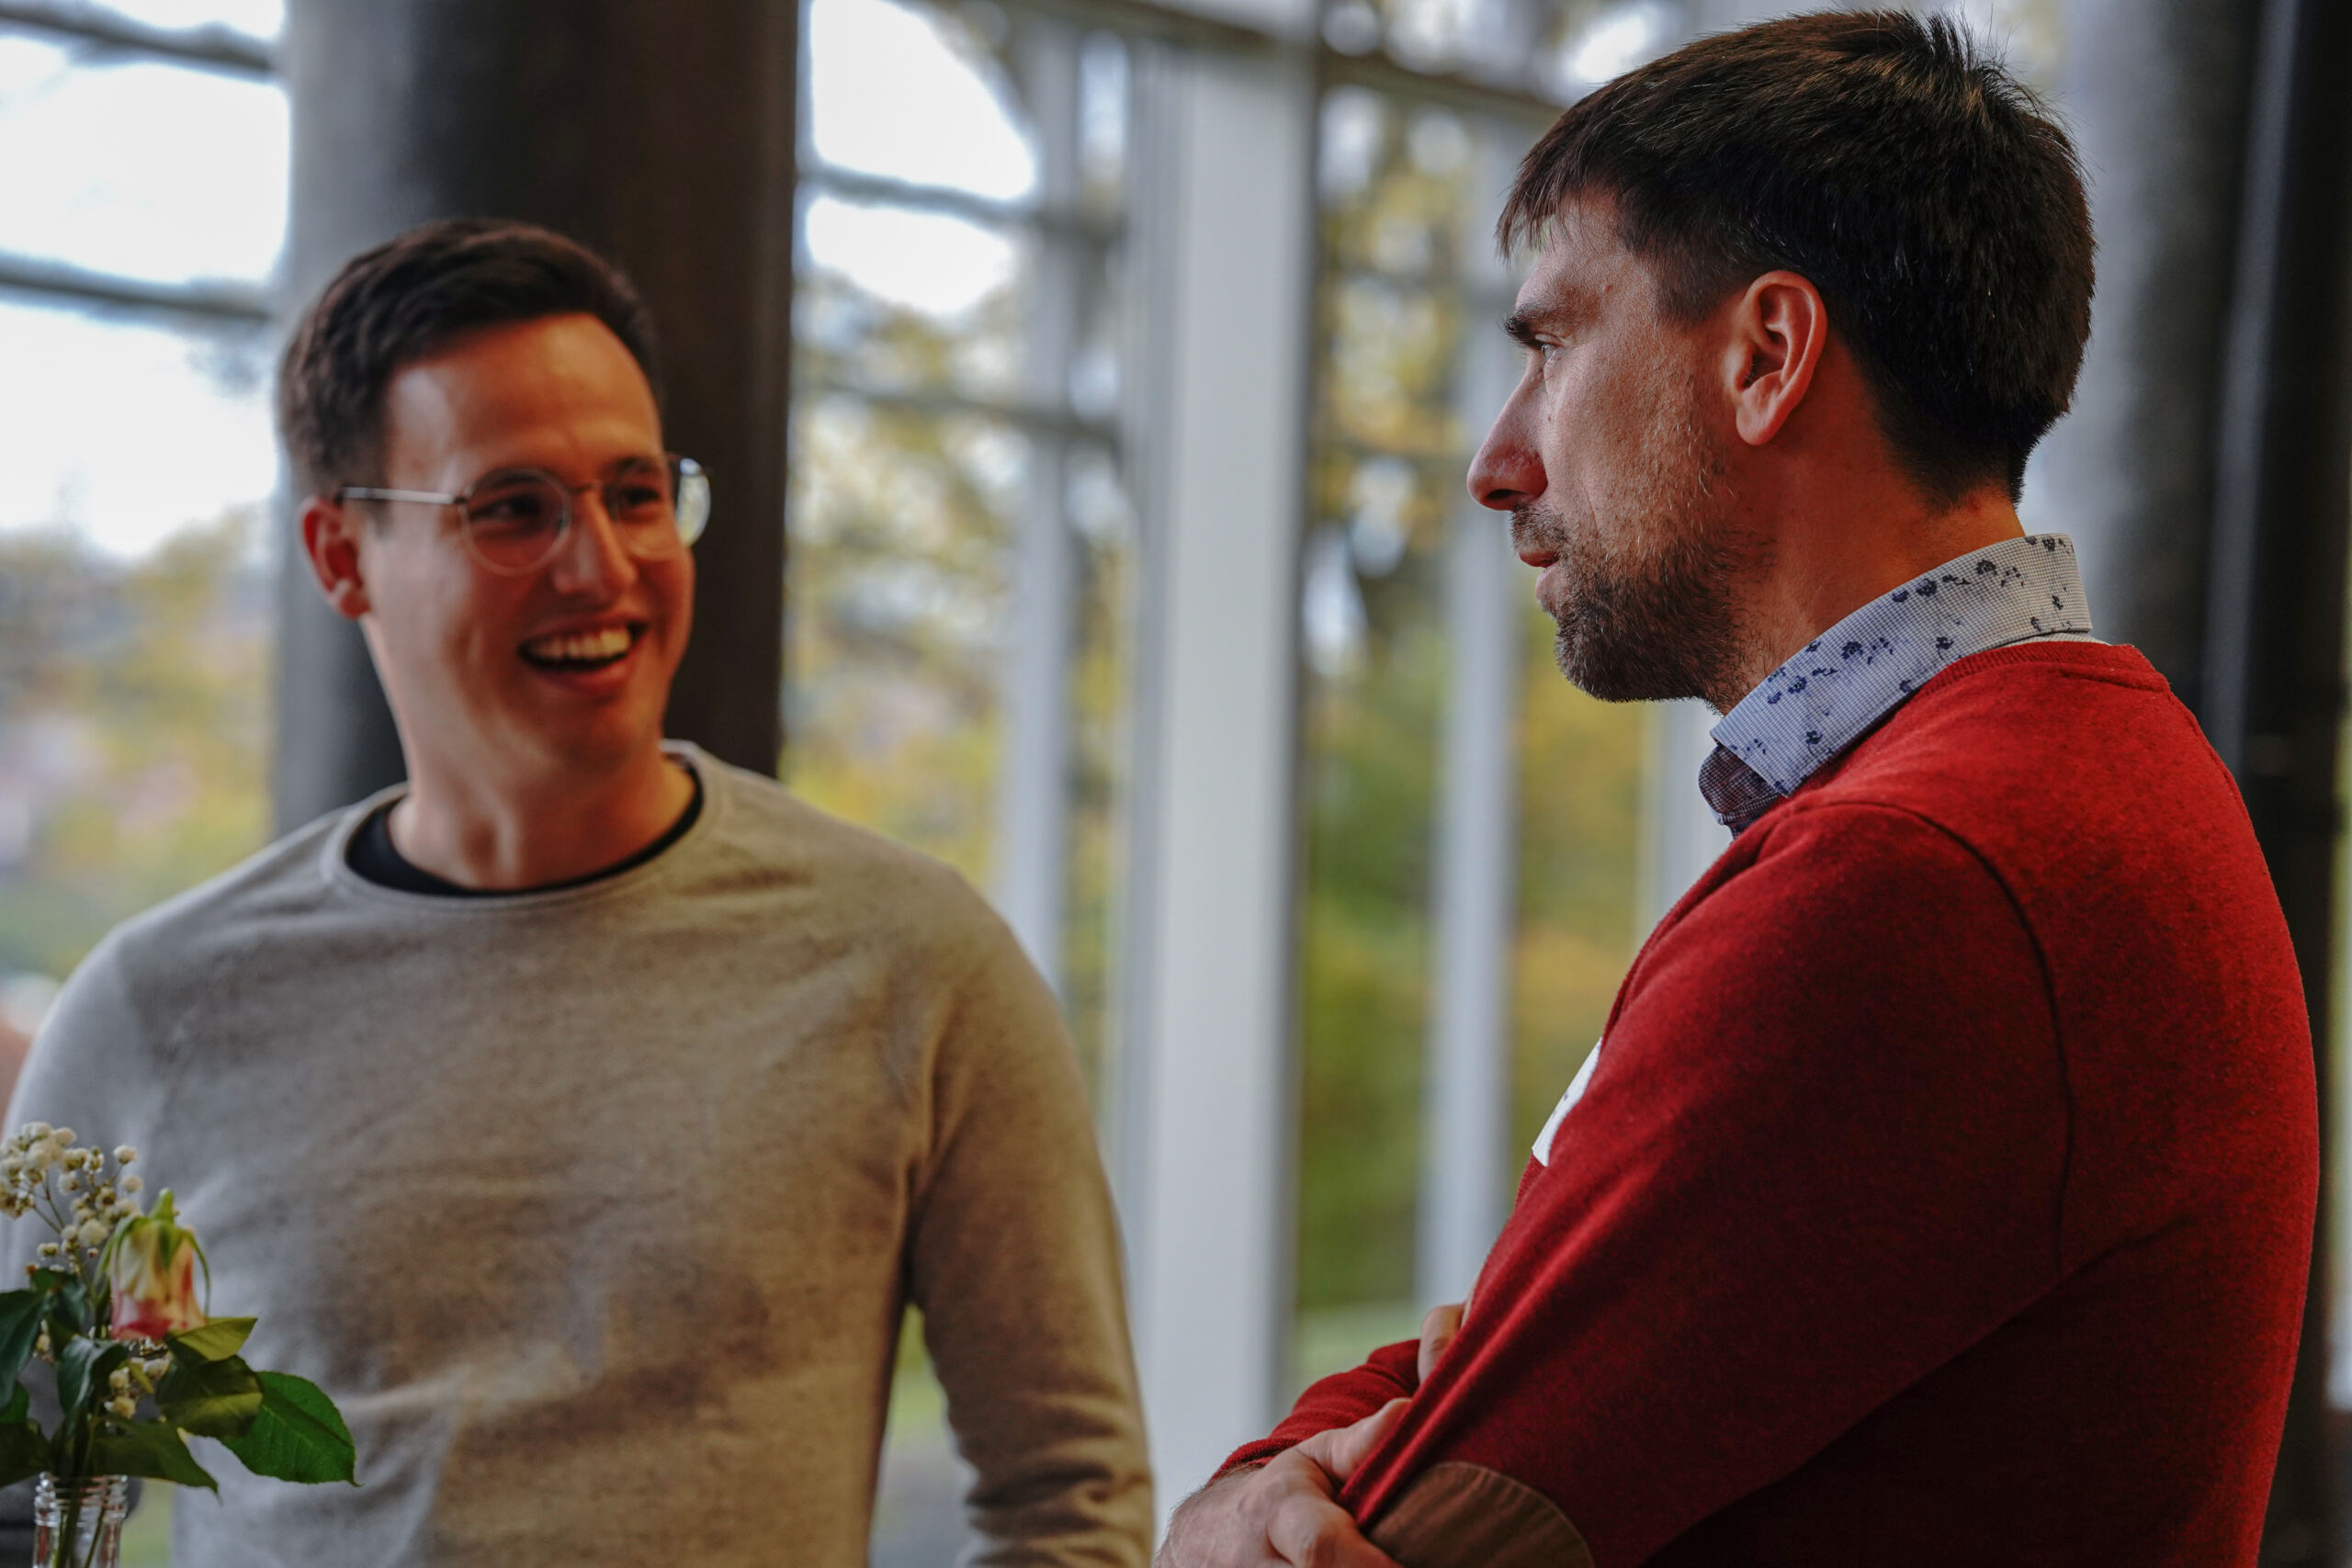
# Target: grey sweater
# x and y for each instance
(596, 1209)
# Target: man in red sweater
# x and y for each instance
(1941, 1190)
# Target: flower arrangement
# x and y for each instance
(113, 1305)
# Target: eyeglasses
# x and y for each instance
(517, 519)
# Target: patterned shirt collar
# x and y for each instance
(1820, 702)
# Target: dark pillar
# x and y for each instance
(2156, 91)
(2273, 687)
(659, 132)
(2205, 470)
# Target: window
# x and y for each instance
(134, 426)
(135, 629)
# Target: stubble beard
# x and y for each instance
(1649, 611)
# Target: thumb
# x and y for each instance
(1437, 1332)
(1352, 1445)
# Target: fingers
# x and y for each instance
(1350, 1446)
(1286, 1511)
(1306, 1529)
(1438, 1330)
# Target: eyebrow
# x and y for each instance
(1526, 327)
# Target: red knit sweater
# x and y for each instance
(1943, 1193)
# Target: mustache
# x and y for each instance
(1534, 525)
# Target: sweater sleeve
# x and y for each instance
(1822, 1154)
(1014, 1260)
(1340, 1400)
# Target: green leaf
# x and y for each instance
(23, 1451)
(69, 1310)
(212, 1399)
(82, 1368)
(151, 1448)
(299, 1436)
(20, 1404)
(20, 1312)
(215, 1341)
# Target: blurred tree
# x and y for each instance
(133, 730)
(1386, 469)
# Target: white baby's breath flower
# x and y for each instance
(61, 1136)
(132, 1184)
(125, 1155)
(94, 1232)
(33, 1132)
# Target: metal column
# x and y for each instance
(1207, 1072)
(1033, 769)
(1467, 1071)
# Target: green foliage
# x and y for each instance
(1397, 300)
(1372, 752)
(83, 1367)
(1582, 768)
(215, 1341)
(133, 713)
(20, 1320)
(151, 1450)
(23, 1451)
(902, 528)
(212, 1398)
(298, 1435)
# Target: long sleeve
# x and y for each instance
(1822, 1154)
(1340, 1400)
(1014, 1260)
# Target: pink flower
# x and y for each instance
(152, 1272)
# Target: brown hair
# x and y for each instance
(1929, 196)
(410, 297)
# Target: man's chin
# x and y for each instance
(1615, 672)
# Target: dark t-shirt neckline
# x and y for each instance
(375, 858)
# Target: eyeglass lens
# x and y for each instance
(516, 522)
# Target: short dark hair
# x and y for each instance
(413, 296)
(1930, 196)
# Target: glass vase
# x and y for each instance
(78, 1524)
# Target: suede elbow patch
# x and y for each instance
(1467, 1516)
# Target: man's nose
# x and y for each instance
(590, 558)
(1506, 473)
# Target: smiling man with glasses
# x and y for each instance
(584, 1113)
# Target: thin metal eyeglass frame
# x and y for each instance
(689, 520)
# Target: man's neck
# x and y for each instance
(1826, 565)
(470, 830)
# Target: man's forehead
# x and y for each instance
(526, 392)
(1581, 259)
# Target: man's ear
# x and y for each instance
(1779, 330)
(331, 542)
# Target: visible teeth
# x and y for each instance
(581, 647)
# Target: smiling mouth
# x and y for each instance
(572, 652)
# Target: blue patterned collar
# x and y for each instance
(1820, 702)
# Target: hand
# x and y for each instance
(1438, 1330)
(1285, 1510)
